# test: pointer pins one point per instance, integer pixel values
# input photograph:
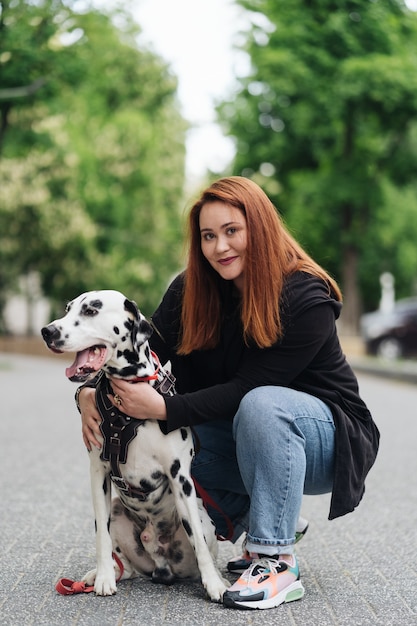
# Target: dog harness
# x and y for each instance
(118, 429)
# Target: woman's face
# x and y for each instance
(224, 239)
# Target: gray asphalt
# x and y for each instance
(358, 570)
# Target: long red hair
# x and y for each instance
(272, 254)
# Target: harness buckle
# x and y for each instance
(166, 385)
(120, 483)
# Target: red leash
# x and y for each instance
(68, 587)
(208, 501)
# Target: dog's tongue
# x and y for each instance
(86, 361)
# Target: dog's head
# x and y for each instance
(105, 329)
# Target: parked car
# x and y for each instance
(392, 335)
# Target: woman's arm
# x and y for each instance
(285, 364)
(90, 417)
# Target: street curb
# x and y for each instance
(404, 371)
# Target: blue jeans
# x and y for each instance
(279, 446)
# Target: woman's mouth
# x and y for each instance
(227, 261)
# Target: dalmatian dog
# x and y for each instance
(155, 523)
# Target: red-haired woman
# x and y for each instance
(250, 330)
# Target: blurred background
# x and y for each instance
(113, 116)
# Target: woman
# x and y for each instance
(249, 328)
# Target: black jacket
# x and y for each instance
(211, 383)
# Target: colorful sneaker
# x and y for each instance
(239, 564)
(266, 583)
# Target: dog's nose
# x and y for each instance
(50, 332)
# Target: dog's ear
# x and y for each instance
(141, 328)
(132, 307)
(141, 331)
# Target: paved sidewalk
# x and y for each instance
(358, 570)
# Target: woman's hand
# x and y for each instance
(138, 400)
(90, 418)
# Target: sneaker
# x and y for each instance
(267, 583)
(239, 564)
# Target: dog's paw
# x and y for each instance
(90, 577)
(215, 590)
(104, 585)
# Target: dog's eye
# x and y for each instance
(88, 310)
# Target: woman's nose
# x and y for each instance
(221, 244)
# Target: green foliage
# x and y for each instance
(328, 115)
(92, 166)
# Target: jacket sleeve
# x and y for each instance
(279, 365)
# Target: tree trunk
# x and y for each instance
(349, 320)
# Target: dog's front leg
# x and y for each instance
(187, 507)
(105, 578)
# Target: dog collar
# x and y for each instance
(165, 381)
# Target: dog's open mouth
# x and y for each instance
(86, 362)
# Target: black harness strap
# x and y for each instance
(118, 430)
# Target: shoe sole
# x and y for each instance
(290, 594)
(242, 566)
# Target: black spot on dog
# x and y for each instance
(108, 524)
(124, 372)
(187, 527)
(77, 323)
(166, 529)
(124, 338)
(186, 486)
(175, 553)
(184, 434)
(92, 308)
(175, 468)
(130, 356)
(105, 486)
(146, 485)
(128, 324)
(116, 330)
(117, 549)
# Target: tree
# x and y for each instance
(30, 63)
(92, 166)
(324, 121)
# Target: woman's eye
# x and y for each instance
(208, 236)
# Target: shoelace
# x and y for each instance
(263, 565)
